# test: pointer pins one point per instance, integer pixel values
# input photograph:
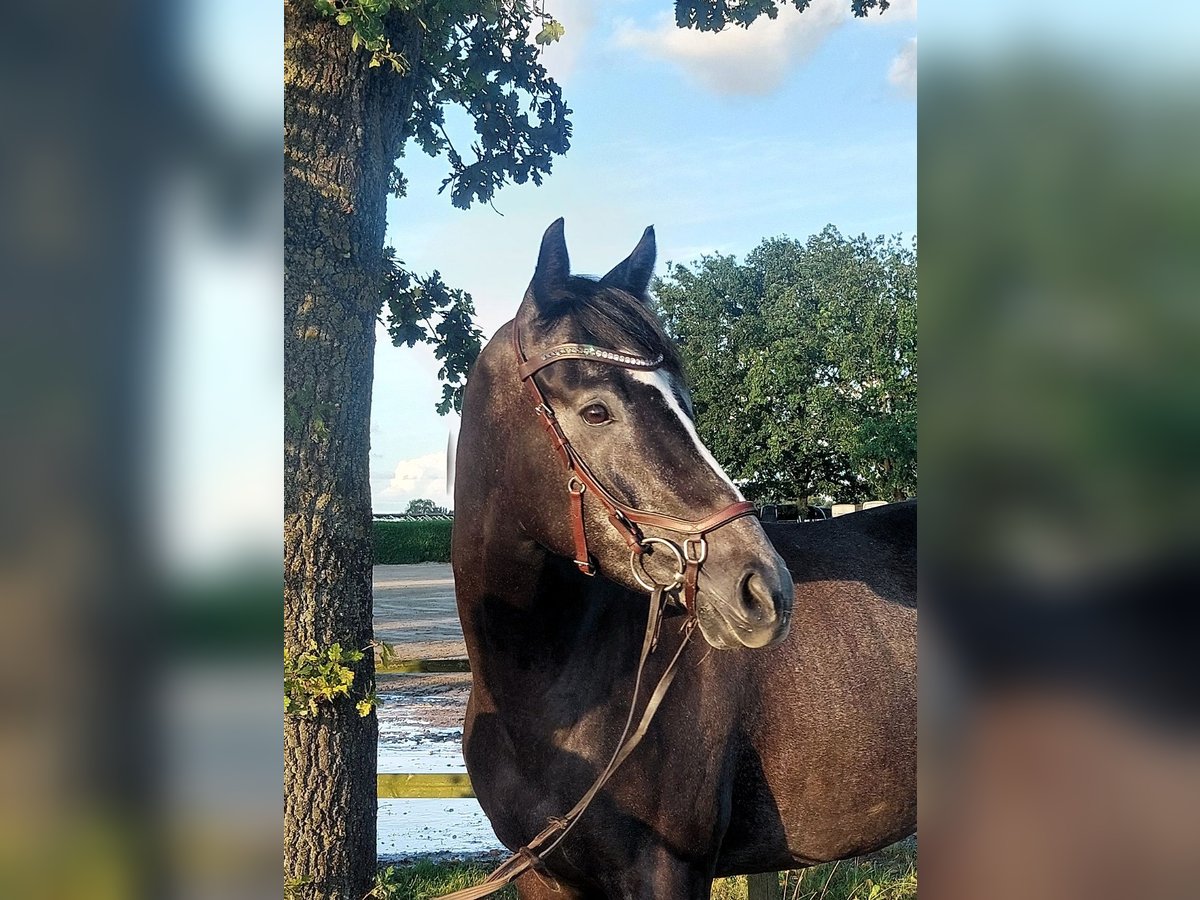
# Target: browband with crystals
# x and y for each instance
(587, 351)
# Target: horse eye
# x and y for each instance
(595, 414)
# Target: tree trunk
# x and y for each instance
(343, 128)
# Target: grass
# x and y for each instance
(426, 880)
(402, 543)
(890, 874)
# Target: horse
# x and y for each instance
(789, 736)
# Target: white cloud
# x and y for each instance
(578, 18)
(422, 476)
(902, 74)
(899, 11)
(752, 60)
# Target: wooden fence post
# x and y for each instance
(764, 886)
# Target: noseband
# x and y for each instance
(690, 553)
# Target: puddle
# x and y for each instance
(420, 732)
(421, 750)
(405, 708)
(410, 828)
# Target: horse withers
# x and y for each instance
(581, 484)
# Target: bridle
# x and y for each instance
(626, 520)
(690, 553)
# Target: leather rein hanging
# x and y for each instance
(530, 856)
(690, 553)
(626, 520)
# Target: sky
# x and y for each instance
(718, 140)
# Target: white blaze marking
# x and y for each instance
(659, 381)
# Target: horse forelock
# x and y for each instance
(611, 318)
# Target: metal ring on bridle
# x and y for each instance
(637, 563)
(701, 555)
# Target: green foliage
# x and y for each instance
(426, 310)
(365, 18)
(314, 676)
(422, 507)
(890, 874)
(293, 887)
(551, 32)
(476, 57)
(803, 364)
(713, 15)
(387, 653)
(403, 543)
(426, 880)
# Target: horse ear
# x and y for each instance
(634, 272)
(553, 268)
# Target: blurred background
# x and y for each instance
(141, 566)
(140, 246)
(1059, 440)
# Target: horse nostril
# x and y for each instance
(757, 598)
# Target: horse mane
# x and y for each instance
(612, 318)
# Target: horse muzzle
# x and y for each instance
(756, 612)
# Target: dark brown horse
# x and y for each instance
(796, 746)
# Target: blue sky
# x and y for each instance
(717, 140)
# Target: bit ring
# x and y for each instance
(638, 565)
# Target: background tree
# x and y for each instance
(363, 81)
(713, 15)
(803, 362)
(422, 507)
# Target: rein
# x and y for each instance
(689, 556)
(530, 856)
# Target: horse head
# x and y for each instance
(615, 471)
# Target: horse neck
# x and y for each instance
(533, 624)
(548, 645)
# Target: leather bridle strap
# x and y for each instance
(624, 518)
(579, 351)
(530, 856)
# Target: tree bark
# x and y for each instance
(343, 128)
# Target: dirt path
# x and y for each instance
(421, 715)
(415, 611)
